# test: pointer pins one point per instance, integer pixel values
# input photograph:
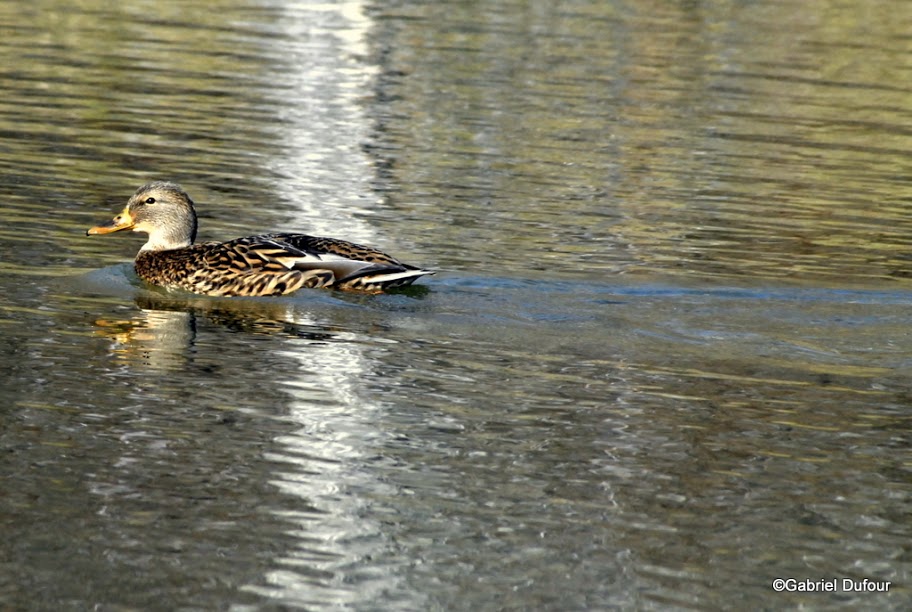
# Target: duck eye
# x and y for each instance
(150, 200)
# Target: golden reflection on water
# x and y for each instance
(653, 147)
(160, 335)
(682, 153)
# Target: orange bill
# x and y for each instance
(123, 221)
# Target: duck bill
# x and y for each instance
(121, 222)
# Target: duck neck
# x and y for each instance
(164, 245)
(170, 237)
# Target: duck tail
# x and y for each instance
(380, 277)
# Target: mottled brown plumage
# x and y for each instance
(271, 264)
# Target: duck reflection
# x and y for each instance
(162, 334)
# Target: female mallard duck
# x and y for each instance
(271, 264)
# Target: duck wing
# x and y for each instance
(355, 266)
(257, 253)
(246, 266)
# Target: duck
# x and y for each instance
(254, 266)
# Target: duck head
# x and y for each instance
(162, 210)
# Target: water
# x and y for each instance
(665, 360)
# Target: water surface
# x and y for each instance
(664, 361)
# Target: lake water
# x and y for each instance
(664, 362)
